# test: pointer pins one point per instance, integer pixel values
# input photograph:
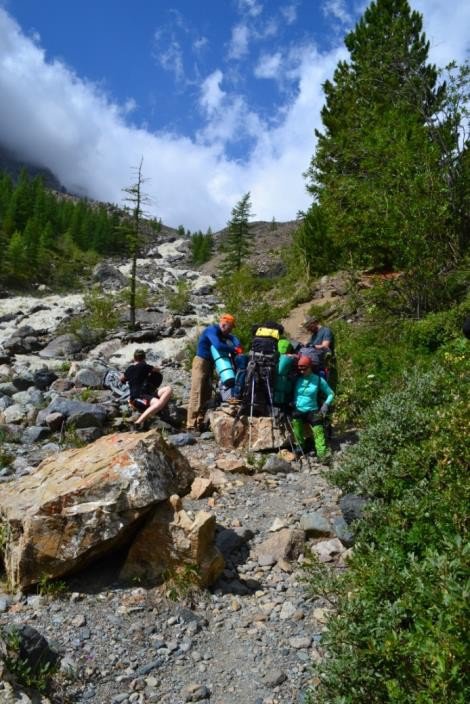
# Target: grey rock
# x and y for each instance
(89, 378)
(8, 388)
(23, 381)
(195, 693)
(84, 419)
(5, 401)
(35, 433)
(343, 532)
(43, 378)
(276, 465)
(16, 413)
(181, 439)
(352, 507)
(274, 678)
(33, 647)
(70, 407)
(315, 524)
(63, 346)
(88, 435)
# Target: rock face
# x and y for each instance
(83, 502)
(247, 433)
(171, 542)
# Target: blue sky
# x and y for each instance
(219, 98)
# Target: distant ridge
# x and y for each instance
(13, 165)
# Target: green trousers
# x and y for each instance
(318, 433)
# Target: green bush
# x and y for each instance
(249, 299)
(371, 359)
(399, 634)
(178, 301)
(436, 329)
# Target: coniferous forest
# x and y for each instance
(49, 238)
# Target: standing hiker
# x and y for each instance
(145, 396)
(308, 409)
(322, 340)
(219, 337)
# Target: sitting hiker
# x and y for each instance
(215, 337)
(322, 340)
(307, 409)
(145, 396)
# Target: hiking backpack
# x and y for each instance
(263, 357)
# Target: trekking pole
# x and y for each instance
(271, 406)
(250, 420)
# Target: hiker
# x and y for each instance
(322, 340)
(307, 409)
(286, 374)
(217, 336)
(145, 396)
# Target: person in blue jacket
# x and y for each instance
(219, 336)
(308, 409)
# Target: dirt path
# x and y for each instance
(293, 322)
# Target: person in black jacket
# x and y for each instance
(145, 396)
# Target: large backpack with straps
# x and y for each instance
(263, 357)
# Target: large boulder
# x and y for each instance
(82, 503)
(170, 543)
(247, 433)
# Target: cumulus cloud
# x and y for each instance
(54, 118)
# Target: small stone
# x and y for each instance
(287, 610)
(278, 524)
(300, 642)
(200, 488)
(79, 621)
(274, 678)
(195, 692)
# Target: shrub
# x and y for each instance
(436, 329)
(398, 635)
(249, 299)
(178, 301)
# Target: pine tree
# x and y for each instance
(238, 242)
(376, 173)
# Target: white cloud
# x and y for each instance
(446, 25)
(200, 43)
(289, 12)
(51, 116)
(238, 46)
(251, 7)
(169, 56)
(268, 65)
(338, 10)
(211, 93)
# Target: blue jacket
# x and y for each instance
(306, 393)
(212, 335)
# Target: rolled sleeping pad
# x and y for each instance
(224, 368)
